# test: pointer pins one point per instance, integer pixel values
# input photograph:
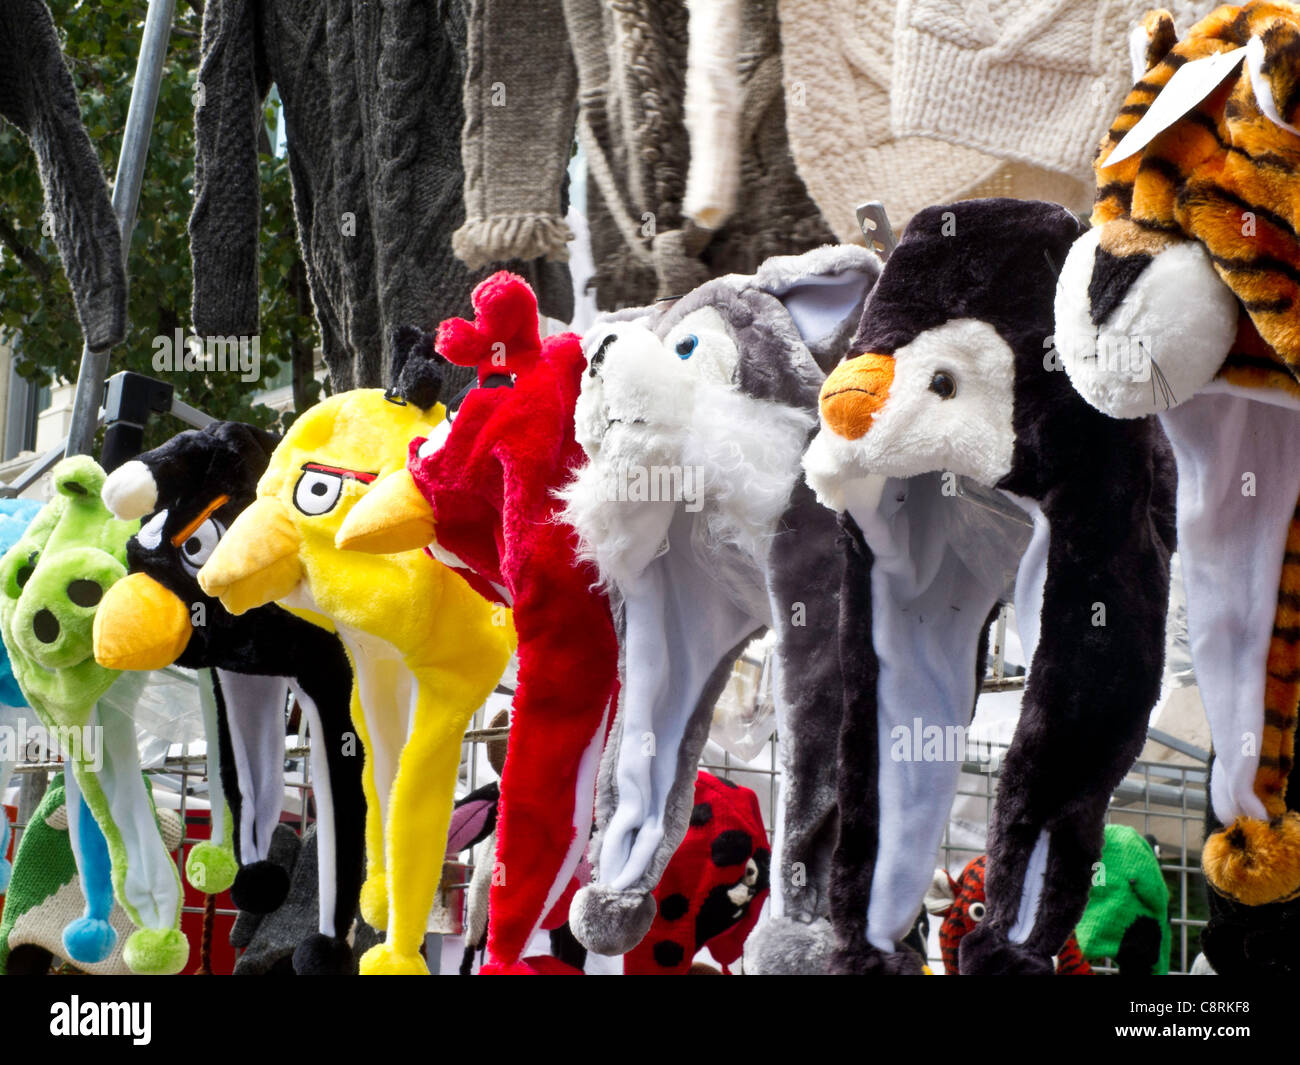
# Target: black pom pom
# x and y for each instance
(321, 955)
(260, 887)
(416, 368)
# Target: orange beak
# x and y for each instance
(855, 390)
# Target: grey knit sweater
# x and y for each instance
(38, 96)
(631, 61)
(372, 95)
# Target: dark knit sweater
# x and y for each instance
(372, 101)
(38, 96)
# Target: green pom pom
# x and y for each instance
(210, 868)
(156, 951)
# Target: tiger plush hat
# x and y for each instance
(1182, 301)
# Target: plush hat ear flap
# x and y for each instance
(416, 368)
(1150, 41)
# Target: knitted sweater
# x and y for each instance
(38, 96)
(1036, 81)
(838, 60)
(631, 59)
(372, 92)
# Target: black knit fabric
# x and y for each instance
(38, 96)
(372, 95)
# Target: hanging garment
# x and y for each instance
(839, 70)
(38, 96)
(372, 103)
(632, 76)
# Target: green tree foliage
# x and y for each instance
(101, 39)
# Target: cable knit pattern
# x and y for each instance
(372, 96)
(1034, 81)
(631, 59)
(519, 89)
(838, 73)
(38, 96)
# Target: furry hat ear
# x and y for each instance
(823, 291)
(504, 336)
(416, 368)
(253, 444)
(1273, 60)
(1150, 41)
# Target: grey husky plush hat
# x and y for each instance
(693, 414)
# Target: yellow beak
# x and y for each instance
(392, 516)
(256, 562)
(140, 625)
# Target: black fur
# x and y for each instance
(1107, 490)
(190, 470)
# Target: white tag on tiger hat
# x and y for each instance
(1190, 84)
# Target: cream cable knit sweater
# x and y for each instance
(1036, 81)
(838, 71)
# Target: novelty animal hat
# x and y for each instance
(47, 893)
(51, 583)
(484, 486)
(714, 886)
(948, 379)
(1182, 301)
(426, 650)
(1127, 917)
(961, 904)
(189, 491)
(693, 414)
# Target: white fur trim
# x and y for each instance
(1163, 343)
(130, 491)
(647, 417)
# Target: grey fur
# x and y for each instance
(783, 946)
(802, 577)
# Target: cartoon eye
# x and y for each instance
(85, 592)
(687, 345)
(317, 492)
(976, 912)
(26, 570)
(436, 438)
(199, 544)
(942, 385)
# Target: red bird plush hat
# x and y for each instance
(480, 493)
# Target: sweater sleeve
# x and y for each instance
(40, 98)
(232, 84)
(713, 111)
(520, 100)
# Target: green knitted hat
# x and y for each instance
(1127, 886)
(44, 894)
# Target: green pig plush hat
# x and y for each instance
(51, 582)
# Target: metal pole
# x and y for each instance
(126, 199)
